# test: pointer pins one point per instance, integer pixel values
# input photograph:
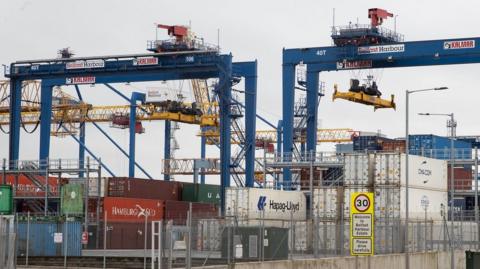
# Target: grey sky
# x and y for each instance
(249, 30)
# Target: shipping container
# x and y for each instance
(6, 199)
(41, 239)
(327, 202)
(33, 185)
(389, 202)
(387, 169)
(201, 193)
(344, 148)
(438, 147)
(462, 180)
(144, 188)
(369, 143)
(178, 210)
(131, 210)
(93, 182)
(253, 203)
(72, 199)
(357, 169)
(126, 235)
(395, 145)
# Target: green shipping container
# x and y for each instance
(6, 200)
(201, 193)
(72, 199)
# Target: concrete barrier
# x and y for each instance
(428, 260)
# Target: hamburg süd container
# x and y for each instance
(23, 186)
(71, 199)
(144, 188)
(130, 210)
(6, 200)
(255, 203)
(201, 193)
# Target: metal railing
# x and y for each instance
(366, 28)
(307, 157)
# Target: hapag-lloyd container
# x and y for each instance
(144, 188)
(357, 169)
(327, 202)
(132, 210)
(253, 203)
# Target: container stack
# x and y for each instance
(462, 180)
(438, 147)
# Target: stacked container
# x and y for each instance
(438, 147)
(144, 188)
(357, 169)
(462, 180)
(327, 202)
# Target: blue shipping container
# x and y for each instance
(438, 147)
(41, 239)
(370, 143)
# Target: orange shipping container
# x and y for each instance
(132, 210)
(24, 187)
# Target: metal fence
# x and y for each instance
(7, 242)
(211, 240)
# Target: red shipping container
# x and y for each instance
(132, 210)
(462, 178)
(144, 188)
(25, 187)
(394, 145)
(177, 211)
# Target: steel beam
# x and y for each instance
(167, 147)
(203, 151)
(15, 115)
(288, 104)
(312, 110)
(136, 96)
(81, 137)
(248, 70)
(225, 95)
(45, 120)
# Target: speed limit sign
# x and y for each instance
(362, 224)
(362, 202)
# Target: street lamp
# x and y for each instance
(407, 93)
(452, 124)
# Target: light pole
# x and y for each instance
(407, 93)
(452, 124)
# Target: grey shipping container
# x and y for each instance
(41, 239)
(144, 188)
(248, 243)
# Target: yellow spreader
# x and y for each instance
(362, 98)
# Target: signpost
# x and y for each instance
(361, 224)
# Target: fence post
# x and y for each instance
(105, 240)
(65, 241)
(145, 231)
(28, 238)
(189, 242)
(4, 168)
(46, 185)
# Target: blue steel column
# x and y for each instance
(288, 76)
(312, 107)
(250, 122)
(203, 151)
(166, 150)
(279, 147)
(225, 95)
(136, 96)
(45, 120)
(15, 112)
(81, 137)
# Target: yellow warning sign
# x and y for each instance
(361, 224)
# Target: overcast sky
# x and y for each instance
(249, 30)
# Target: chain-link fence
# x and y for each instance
(210, 240)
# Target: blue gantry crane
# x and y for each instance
(360, 47)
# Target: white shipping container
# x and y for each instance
(92, 185)
(255, 203)
(387, 202)
(425, 172)
(327, 202)
(417, 198)
(356, 170)
(387, 169)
